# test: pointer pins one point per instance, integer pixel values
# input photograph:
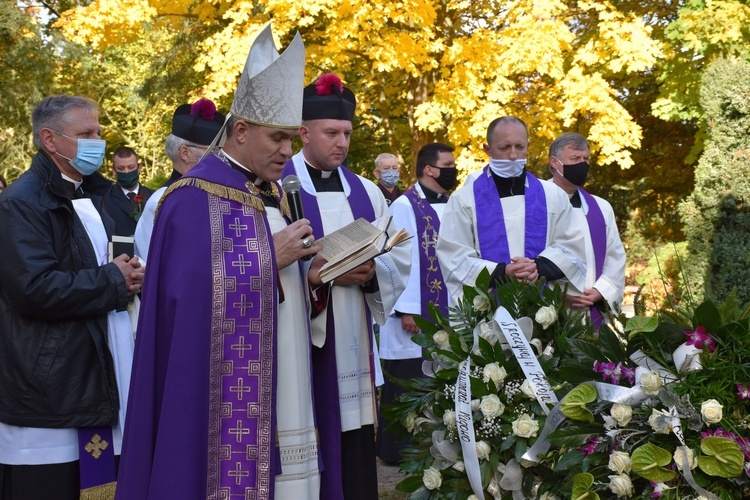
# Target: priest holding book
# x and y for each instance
(343, 355)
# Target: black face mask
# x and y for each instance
(447, 178)
(577, 173)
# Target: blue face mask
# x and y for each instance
(507, 168)
(389, 178)
(89, 156)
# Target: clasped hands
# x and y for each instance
(132, 270)
(522, 268)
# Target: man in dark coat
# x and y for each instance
(125, 200)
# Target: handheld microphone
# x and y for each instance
(291, 186)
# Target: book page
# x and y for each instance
(349, 238)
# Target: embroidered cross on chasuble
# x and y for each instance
(242, 452)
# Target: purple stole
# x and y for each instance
(325, 374)
(598, 231)
(432, 288)
(97, 462)
(242, 455)
(491, 231)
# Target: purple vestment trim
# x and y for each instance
(491, 231)
(598, 231)
(432, 286)
(325, 374)
(241, 438)
(96, 452)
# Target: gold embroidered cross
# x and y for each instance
(96, 445)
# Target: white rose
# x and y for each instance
(449, 419)
(432, 479)
(481, 304)
(472, 497)
(527, 389)
(621, 485)
(410, 422)
(494, 372)
(441, 339)
(622, 413)
(545, 316)
(651, 383)
(474, 404)
(491, 406)
(660, 421)
(483, 450)
(679, 458)
(711, 411)
(494, 488)
(619, 462)
(459, 466)
(525, 426)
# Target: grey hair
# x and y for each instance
(52, 113)
(384, 156)
(173, 144)
(575, 141)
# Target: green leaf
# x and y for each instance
(572, 436)
(585, 352)
(573, 405)
(411, 483)
(641, 324)
(426, 325)
(483, 279)
(649, 460)
(708, 316)
(610, 344)
(570, 459)
(725, 458)
(581, 487)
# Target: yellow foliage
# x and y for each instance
(448, 67)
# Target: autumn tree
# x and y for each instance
(426, 70)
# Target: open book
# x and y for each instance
(355, 244)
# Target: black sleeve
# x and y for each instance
(548, 269)
(498, 275)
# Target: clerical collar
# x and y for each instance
(432, 196)
(510, 186)
(242, 168)
(72, 188)
(325, 181)
(76, 184)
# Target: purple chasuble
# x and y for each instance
(598, 231)
(491, 231)
(432, 287)
(201, 412)
(325, 374)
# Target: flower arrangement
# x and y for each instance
(662, 411)
(650, 407)
(507, 409)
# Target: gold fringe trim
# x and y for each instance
(284, 206)
(101, 492)
(225, 192)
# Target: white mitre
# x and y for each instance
(271, 85)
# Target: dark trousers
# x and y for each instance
(42, 482)
(388, 446)
(358, 469)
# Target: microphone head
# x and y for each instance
(291, 184)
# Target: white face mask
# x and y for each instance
(507, 168)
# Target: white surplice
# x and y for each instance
(300, 478)
(356, 391)
(458, 244)
(145, 226)
(395, 342)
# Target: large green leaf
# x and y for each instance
(582, 487)
(411, 483)
(649, 461)
(573, 405)
(585, 352)
(708, 316)
(610, 344)
(426, 325)
(640, 324)
(724, 457)
(572, 436)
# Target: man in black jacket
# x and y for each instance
(125, 200)
(58, 293)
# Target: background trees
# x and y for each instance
(624, 73)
